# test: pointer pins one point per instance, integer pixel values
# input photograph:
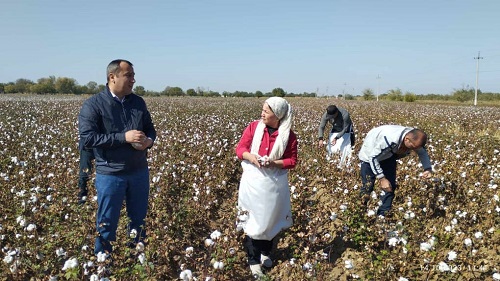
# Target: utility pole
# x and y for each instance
(378, 85)
(477, 75)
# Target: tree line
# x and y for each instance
(64, 85)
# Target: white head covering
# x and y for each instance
(282, 109)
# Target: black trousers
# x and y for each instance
(255, 248)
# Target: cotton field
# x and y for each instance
(445, 228)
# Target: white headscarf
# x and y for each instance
(282, 109)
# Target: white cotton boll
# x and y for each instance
(343, 207)
(478, 235)
(8, 259)
(307, 266)
(215, 235)
(333, 216)
(468, 242)
(186, 275)
(60, 252)
(454, 221)
(142, 258)
(424, 246)
(69, 264)
(442, 266)
(496, 276)
(140, 247)
(218, 265)
(491, 230)
(31, 227)
(243, 217)
(53, 278)
(447, 228)
(189, 251)
(85, 248)
(209, 242)
(371, 213)
(452, 255)
(20, 220)
(101, 257)
(208, 278)
(402, 279)
(393, 241)
(349, 264)
(133, 233)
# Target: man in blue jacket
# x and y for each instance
(381, 148)
(117, 125)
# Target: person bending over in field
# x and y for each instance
(381, 148)
(341, 137)
(268, 148)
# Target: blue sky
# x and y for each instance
(332, 47)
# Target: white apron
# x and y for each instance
(342, 147)
(265, 195)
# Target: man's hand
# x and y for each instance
(427, 174)
(320, 143)
(385, 185)
(135, 136)
(142, 145)
(82, 196)
(334, 141)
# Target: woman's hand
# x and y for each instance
(252, 158)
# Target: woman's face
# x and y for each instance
(268, 117)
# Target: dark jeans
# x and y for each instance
(255, 248)
(368, 178)
(112, 190)
(86, 167)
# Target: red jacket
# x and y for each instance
(289, 156)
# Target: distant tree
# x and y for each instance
(368, 94)
(465, 94)
(101, 88)
(409, 97)
(139, 90)
(80, 89)
(92, 87)
(9, 88)
(44, 86)
(22, 85)
(173, 91)
(395, 94)
(259, 94)
(278, 92)
(191, 92)
(65, 85)
(2, 85)
(349, 97)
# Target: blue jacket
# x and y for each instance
(103, 122)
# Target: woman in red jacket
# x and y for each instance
(268, 148)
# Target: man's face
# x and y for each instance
(413, 144)
(122, 83)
